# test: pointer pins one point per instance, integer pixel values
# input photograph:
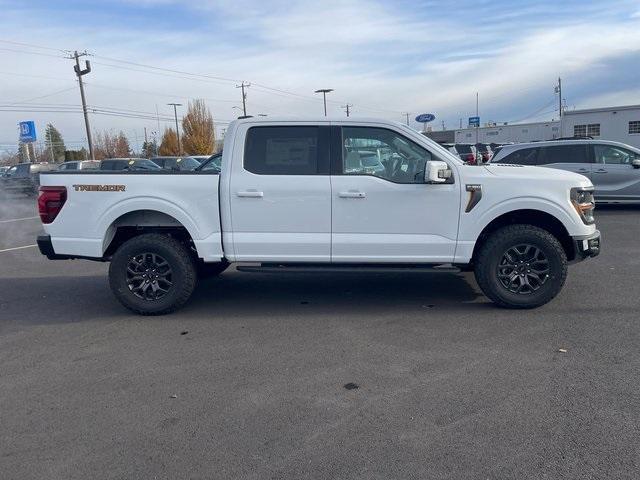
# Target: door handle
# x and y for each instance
(251, 194)
(602, 170)
(352, 194)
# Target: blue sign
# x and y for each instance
(27, 131)
(474, 121)
(425, 117)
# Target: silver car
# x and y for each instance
(612, 167)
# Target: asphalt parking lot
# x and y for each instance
(247, 381)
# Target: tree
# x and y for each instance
(149, 149)
(54, 144)
(121, 145)
(103, 145)
(199, 134)
(109, 145)
(169, 144)
(70, 155)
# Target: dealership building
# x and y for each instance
(621, 124)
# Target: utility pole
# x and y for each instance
(406, 114)
(175, 114)
(244, 97)
(79, 73)
(324, 92)
(559, 92)
(347, 107)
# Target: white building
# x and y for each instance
(503, 133)
(620, 124)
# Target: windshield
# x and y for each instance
(143, 164)
(214, 163)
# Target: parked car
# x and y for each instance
(287, 199)
(466, 152)
(201, 158)
(484, 151)
(24, 177)
(128, 164)
(4, 168)
(614, 168)
(176, 163)
(212, 163)
(80, 165)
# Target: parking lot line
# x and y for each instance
(17, 248)
(18, 219)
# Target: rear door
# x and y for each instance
(280, 193)
(383, 211)
(574, 158)
(614, 176)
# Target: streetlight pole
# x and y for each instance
(175, 114)
(324, 92)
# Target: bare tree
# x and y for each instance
(121, 145)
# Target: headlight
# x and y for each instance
(582, 200)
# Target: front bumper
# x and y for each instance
(588, 246)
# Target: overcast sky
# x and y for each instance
(383, 57)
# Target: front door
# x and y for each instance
(383, 211)
(614, 176)
(280, 194)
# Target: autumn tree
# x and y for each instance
(169, 143)
(54, 144)
(198, 137)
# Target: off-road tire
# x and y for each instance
(491, 254)
(176, 255)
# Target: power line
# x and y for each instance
(22, 44)
(41, 96)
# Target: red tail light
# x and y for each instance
(50, 202)
(471, 159)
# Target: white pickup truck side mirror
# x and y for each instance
(635, 163)
(436, 171)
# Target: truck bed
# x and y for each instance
(100, 202)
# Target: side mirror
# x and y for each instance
(635, 163)
(436, 172)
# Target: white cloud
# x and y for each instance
(375, 56)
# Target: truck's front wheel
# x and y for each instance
(152, 274)
(521, 266)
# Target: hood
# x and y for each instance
(524, 172)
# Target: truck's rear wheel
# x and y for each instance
(152, 274)
(521, 266)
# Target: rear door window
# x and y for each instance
(564, 154)
(298, 150)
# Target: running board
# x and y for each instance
(345, 268)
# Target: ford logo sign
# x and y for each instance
(425, 117)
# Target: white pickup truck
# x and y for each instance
(322, 194)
